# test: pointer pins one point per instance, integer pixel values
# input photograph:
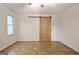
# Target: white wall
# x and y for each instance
(70, 27)
(56, 22)
(29, 28)
(6, 40)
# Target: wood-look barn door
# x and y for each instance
(45, 28)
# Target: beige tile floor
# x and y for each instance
(39, 48)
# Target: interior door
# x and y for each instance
(45, 28)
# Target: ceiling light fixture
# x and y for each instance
(41, 4)
(29, 3)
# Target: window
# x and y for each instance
(9, 25)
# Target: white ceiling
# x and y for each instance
(49, 8)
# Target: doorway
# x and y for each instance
(45, 28)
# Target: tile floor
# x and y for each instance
(39, 48)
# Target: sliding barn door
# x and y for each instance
(45, 28)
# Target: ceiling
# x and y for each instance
(49, 8)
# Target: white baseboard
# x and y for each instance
(7, 45)
(70, 46)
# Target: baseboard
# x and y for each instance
(7, 45)
(70, 46)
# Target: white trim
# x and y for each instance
(70, 46)
(7, 45)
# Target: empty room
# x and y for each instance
(39, 29)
